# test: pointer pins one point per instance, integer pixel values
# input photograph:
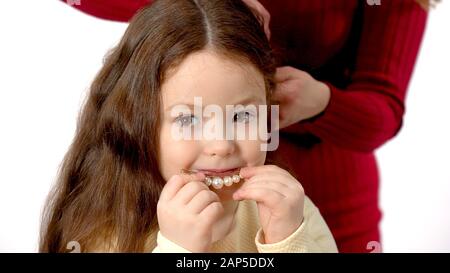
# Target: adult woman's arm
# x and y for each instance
(115, 10)
(369, 111)
(123, 10)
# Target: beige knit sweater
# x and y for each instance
(246, 236)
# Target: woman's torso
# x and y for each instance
(321, 37)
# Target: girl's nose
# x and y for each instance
(221, 148)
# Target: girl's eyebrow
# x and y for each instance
(250, 99)
(244, 102)
(190, 105)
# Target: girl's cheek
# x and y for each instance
(252, 153)
(174, 154)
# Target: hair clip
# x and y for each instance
(215, 181)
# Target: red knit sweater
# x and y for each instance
(366, 54)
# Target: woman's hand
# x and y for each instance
(187, 211)
(280, 199)
(260, 10)
(299, 95)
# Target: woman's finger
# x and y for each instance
(281, 93)
(284, 73)
(261, 12)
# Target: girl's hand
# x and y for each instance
(187, 211)
(280, 199)
(261, 12)
(300, 96)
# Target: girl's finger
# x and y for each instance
(291, 186)
(192, 176)
(188, 191)
(278, 175)
(176, 182)
(266, 196)
(249, 172)
(212, 212)
(267, 182)
(202, 200)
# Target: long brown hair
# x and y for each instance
(109, 181)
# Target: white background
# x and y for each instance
(49, 54)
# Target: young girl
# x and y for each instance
(128, 184)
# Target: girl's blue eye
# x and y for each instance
(186, 120)
(242, 117)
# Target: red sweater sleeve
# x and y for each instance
(369, 111)
(115, 10)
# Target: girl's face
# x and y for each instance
(217, 82)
